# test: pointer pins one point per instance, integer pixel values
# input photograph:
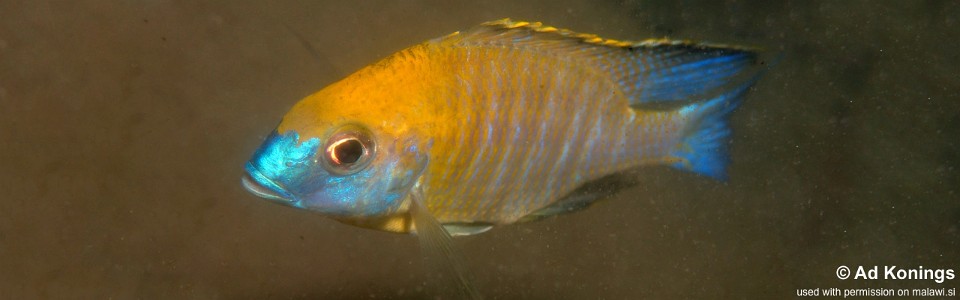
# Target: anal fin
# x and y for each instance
(582, 197)
(462, 229)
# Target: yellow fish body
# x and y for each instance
(499, 124)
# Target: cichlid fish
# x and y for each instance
(499, 124)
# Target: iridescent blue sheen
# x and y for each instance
(691, 74)
(705, 147)
(293, 170)
(283, 164)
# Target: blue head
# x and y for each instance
(346, 172)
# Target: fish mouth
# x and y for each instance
(263, 187)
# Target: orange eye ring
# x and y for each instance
(347, 151)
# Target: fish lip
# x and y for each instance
(263, 187)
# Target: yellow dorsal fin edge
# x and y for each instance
(508, 23)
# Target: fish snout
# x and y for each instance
(263, 187)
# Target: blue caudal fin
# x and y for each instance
(705, 83)
(703, 149)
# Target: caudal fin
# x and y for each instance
(705, 83)
(703, 148)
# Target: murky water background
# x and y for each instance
(124, 127)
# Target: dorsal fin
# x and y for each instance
(653, 74)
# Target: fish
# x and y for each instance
(504, 123)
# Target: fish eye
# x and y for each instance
(348, 151)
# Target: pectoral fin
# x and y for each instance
(444, 261)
